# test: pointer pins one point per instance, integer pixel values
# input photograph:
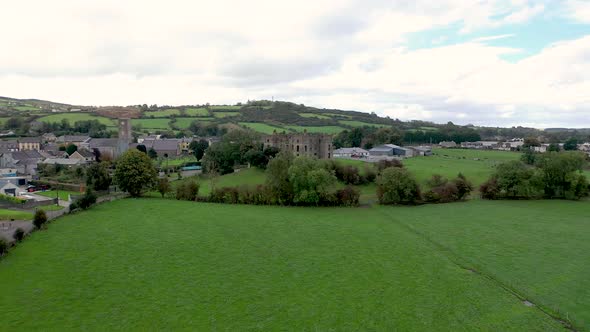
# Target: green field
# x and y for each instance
(225, 107)
(225, 114)
(196, 112)
(317, 129)
(476, 165)
(26, 108)
(246, 177)
(73, 117)
(162, 114)
(152, 123)
(6, 214)
(63, 194)
(314, 115)
(182, 265)
(184, 123)
(354, 123)
(262, 127)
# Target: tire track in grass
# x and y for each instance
(466, 264)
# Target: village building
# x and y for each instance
(351, 153)
(305, 144)
(391, 150)
(77, 140)
(8, 146)
(84, 155)
(29, 143)
(447, 144)
(25, 162)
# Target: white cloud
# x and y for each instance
(349, 54)
(579, 10)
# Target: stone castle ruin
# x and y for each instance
(303, 144)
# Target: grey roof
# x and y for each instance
(29, 140)
(26, 154)
(350, 150)
(103, 142)
(62, 161)
(162, 144)
(73, 138)
(85, 153)
(385, 148)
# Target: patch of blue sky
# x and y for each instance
(530, 38)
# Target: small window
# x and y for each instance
(306, 148)
(297, 148)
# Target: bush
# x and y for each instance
(18, 234)
(187, 191)
(3, 246)
(349, 196)
(464, 187)
(85, 201)
(164, 186)
(226, 195)
(40, 218)
(397, 186)
(370, 175)
(12, 199)
(384, 164)
(444, 193)
(489, 189)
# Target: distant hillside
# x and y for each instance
(263, 116)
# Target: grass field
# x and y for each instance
(184, 123)
(225, 107)
(152, 123)
(63, 194)
(476, 165)
(73, 117)
(318, 129)
(262, 127)
(231, 267)
(196, 112)
(354, 123)
(225, 114)
(246, 177)
(163, 114)
(314, 115)
(6, 214)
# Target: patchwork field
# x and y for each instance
(152, 123)
(353, 123)
(184, 123)
(225, 114)
(73, 117)
(165, 264)
(314, 115)
(196, 112)
(163, 114)
(262, 127)
(317, 129)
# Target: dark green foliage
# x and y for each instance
(19, 234)
(489, 189)
(397, 186)
(40, 218)
(464, 186)
(553, 147)
(3, 246)
(227, 195)
(560, 174)
(445, 191)
(187, 191)
(135, 173)
(277, 178)
(383, 164)
(164, 186)
(271, 152)
(98, 176)
(152, 153)
(223, 156)
(85, 201)
(256, 158)
(348, 196)
(198, 148)
(141, 148)
(71, 148)
(571, 144)
(311, 183)
(529, 157)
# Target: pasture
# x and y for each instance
(166, 264)
(225, 114)
(162, 114)
(162, 123)
(73, 117)
(262, 127)
(353, 123)
(314, 115)
(317, 129)
(191, 111)
(63, 194)
(6, 214)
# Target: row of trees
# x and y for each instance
(549, 175)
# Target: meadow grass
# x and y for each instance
(165, 264)
(6, 214)
(163, 114)
(225, 114)
(246, 177)
(354, 123)
(225, 107)
(184, 123)
(162, 123)
(476, 165)
(73, 117)
(262, 127)
(317, 129)
(314, 115)
(196, 111)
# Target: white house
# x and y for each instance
(351, 153)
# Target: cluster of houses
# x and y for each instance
(514, 144)
(21, 157)
(385, 151)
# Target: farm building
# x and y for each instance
(421, 150)
(351, 153)
(306, 144)
(390, 150)
(447, 144)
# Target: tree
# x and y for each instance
(560, 174)
(571, 144)
(152, 153)
(98, 176)
(553, 147)
(514, 179)
(311, 182)
(397, 186)
(531, 142)
(40, 218)
(277, 178)
(256, 158)
(135, 172)
(198, 148)
(164, 186)
(187, 191)
(142, 148)
(71, 148)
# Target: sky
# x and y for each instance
(482, 62)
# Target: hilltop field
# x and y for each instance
(166, 264)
